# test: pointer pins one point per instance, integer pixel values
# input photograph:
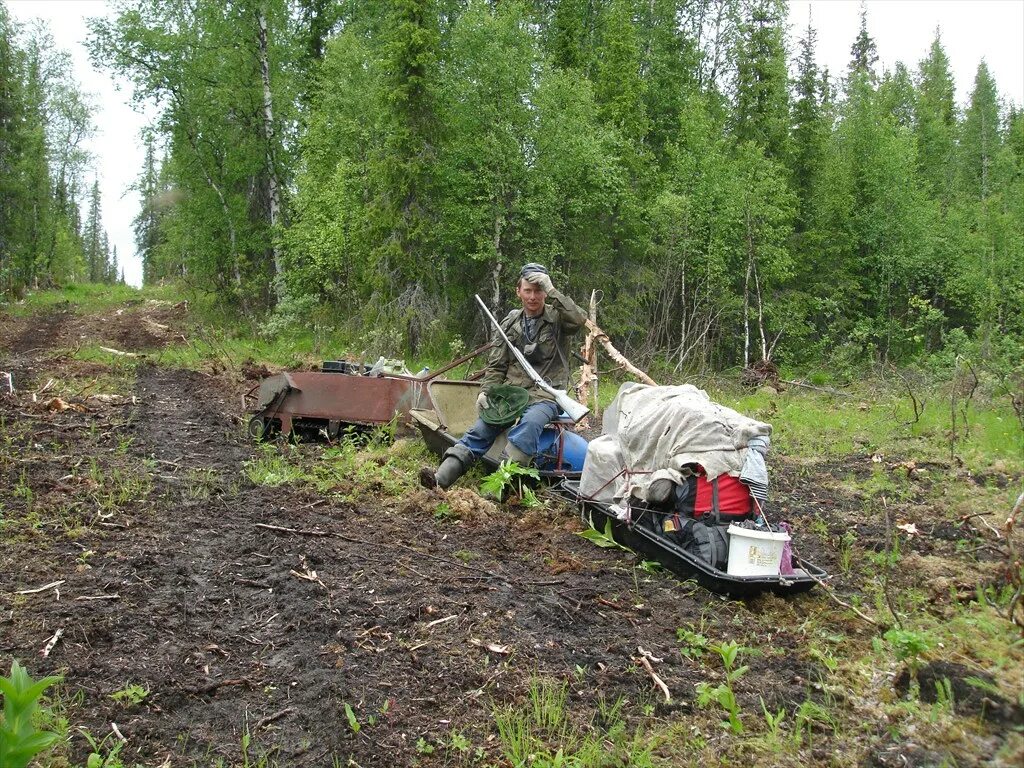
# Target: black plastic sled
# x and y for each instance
(652, 544)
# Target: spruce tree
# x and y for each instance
(935, 120)
(762, 81)
(864, 51)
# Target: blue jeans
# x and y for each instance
(525, 435)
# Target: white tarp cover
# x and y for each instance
(666, 428)
(603, 463)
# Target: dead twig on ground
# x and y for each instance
(120, 353)
(265, 721)
(45, 652)
(826, 390)
(298, 531)
(213, 685)
(42, 389)
(51, 585)
(834, 597)
(646, 664)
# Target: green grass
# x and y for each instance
(357, 466)
(87, 298)
(816, 425)
(543, 733)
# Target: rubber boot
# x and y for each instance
(457, 460)
(521, 458)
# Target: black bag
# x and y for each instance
(707, 540)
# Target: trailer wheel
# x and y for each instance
(257, 428)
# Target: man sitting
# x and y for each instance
(539, 329)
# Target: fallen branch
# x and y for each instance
(114, 596)
(435, 622)
(642, 660)
(117, 732)
(826, 390)
(602, 338)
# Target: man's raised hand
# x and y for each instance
(541, 280)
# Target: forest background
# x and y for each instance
(365, 167)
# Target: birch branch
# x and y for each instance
(602, 338)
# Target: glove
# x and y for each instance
(541, 280)
(481, 402)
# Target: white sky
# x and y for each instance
(903, 30)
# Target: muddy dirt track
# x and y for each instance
(283, 613)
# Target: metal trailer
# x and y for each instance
(302, 403)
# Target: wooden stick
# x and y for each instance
(826, 390)
(1012, 519)
(114, 596)
(654, 676)
(113, 351)
(43, 588)
(602, 337)
(51, 643)
(588, 370)
(833, 596)
(117, 732)
(271, 718)
(299, 531)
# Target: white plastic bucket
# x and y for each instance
(754, 553)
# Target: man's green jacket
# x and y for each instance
(550, 357)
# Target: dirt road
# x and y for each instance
(194, 606)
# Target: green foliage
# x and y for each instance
(909, 645)
(272, 467)
(350, 716)
(723, 694)
(542, 733)
(692, 644)
(20, 739)
(44, 117)
(100, 754)
(508, 476)
(603, 539)
(363, 170)
(131, 694)
(811, 716)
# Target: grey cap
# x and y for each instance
(532, 267)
